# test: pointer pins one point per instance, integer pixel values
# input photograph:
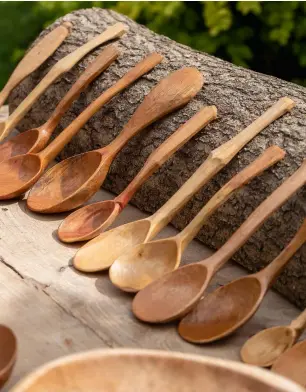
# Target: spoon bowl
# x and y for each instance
(19, 145)
(88, 220)
(103, 250)
(265, 347)
(8, 349)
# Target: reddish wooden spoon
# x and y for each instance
(8, 352)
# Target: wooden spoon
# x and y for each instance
(292, 363)
(34, 140)
(223, 311)
(73, 181)
(19, 173)
(62, 66)
(264, 348)
(35, 57)
(8, 351)
(176, 293)
(100, 253)
(147, 262)
(92, 219)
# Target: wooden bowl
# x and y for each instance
(129, 370)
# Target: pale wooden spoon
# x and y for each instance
(35, 57)
(19, 173)
(93, 219)
(34, 140)
(292, 363)
(100, 253)
(176, 293)
(264, 348)
(8, 352)
(222, 312)
(73, 181)
(145, 263)
(62, 66)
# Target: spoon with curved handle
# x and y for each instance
(19, 173)
(292, 363)
(100, 253)
(91, 220)
(35, 57)
(223, 311)
(8, 352)
(175, 294)
(145, 263)
(62, 66)
(34, 140)
(73, 181)
(264, 348)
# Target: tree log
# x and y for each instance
(240, 96)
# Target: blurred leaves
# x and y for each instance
(269, 37)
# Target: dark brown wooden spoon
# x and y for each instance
(175, 294)
(8, 353)
(73, 181)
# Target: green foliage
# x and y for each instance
(269, 37)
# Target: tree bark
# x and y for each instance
(240, 96)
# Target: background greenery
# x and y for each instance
(269, 37)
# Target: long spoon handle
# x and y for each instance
(51, 151)
(299, 324)
(35, 57)
(264, 161)
(257, 217)
(62, 66)
(271, 272)
(173, 92)
(216, 160)
(166, 149)
(90, 73)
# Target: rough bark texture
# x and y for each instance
(240, 96)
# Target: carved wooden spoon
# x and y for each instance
(8, 351)
(176, 293)
(222, 312)
(73, 181)
(147, 262)
(62, 66)
(292, 363)
(91, 220)
(264, 348)
(34, 140)
(35, 57)
(19, 173)
(100, 253)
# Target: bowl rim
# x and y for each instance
(272, 379)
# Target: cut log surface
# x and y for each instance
(240, 96)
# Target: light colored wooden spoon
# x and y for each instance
(73, 181)
(100, 253)
(62, 66)
(222, 312)
(19, 173)
(93, 219)
(264, 348)
(34, 140)
(35, 57)
(175, 294)
(8, 352)
(292, 364)
(145, 263)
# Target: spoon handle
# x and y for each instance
(166, 149)
(173, 92)
(62, 66)
(257, 218)
(51, 151)
(269, 157)
(299, 324)
(90, 73)
(216, 160)
(272, 271)
(35, 57)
